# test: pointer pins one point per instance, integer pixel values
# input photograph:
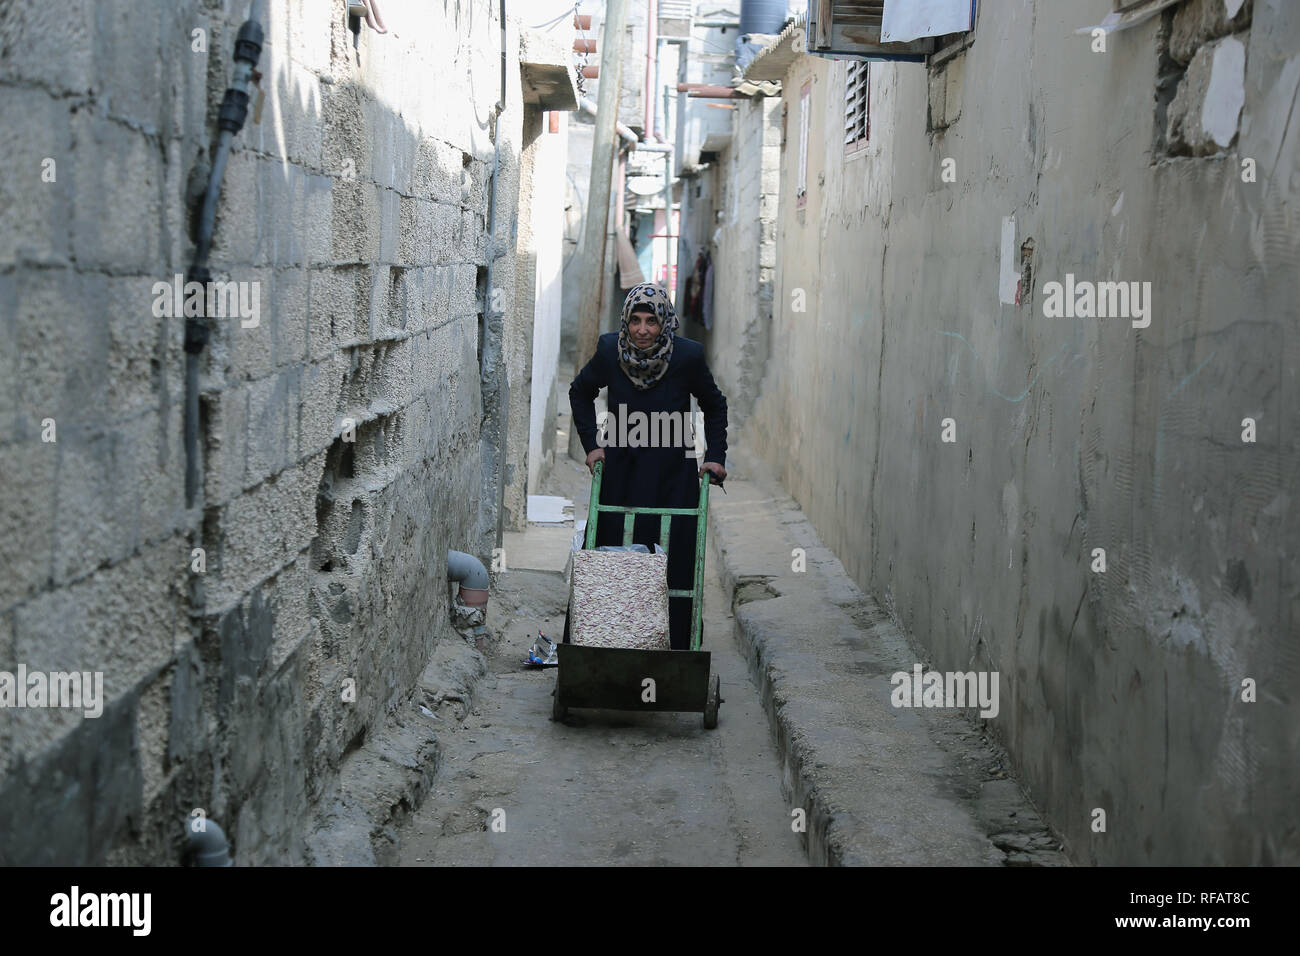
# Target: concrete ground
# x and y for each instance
(604, 787)
(807, 724)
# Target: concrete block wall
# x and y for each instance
(1120, 690)
(356, 199)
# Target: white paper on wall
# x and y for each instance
(1009, 271)
(906, 20)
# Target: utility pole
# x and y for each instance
(602, 159)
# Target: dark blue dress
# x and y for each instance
(661, 477)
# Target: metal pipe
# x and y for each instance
(588, 107)
(651, 71)
(493, 341)
(230, 120)
(668, 217)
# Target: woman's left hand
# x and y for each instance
(714, 467)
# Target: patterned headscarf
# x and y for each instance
(646, 366)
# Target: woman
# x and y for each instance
(648, 368)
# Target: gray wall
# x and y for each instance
(326, 559)
(744, 257)
(1120, 690)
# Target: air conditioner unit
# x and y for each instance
(852, 28)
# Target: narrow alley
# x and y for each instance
(652, 433)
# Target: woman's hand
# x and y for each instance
(593, 457)
(714, 467)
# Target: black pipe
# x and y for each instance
(198, 329)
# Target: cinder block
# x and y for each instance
(116, 183)
(28, 468)
(282, 214)
(336, 295)
(61, 339)
(36, 212)
(318, 405)
(187, 70)
(390, 214)
(238, 227)
(272, 424)
(154, 443)
(225, 443)
(446, 230)
(345, 143)
(415, 243)
(470, 242)
(429, 173)
(122, 620)
(262, 530)
(355, 221)
(152, 725)
(50, 45)
(131, 53)
(319, 240)
(247, 353)
(292, 114)
(288, 314)
(136, 343)
(97, 502)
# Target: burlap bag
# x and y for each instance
(619, 599)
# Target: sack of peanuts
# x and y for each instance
(619, 599)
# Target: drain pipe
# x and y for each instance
(588, 107)
(469, 572)
(493, 343)
(207, 846)
(651, 67)
(198, 329)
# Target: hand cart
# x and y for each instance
(612, 677)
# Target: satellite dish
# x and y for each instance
(645, 185)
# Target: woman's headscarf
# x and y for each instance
(646, 366)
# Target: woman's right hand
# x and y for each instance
(593, 457)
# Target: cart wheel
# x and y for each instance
(712, 701)
(558, 710)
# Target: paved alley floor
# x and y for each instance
(604, 787)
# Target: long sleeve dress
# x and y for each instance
(653, 477)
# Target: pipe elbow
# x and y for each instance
(468, 571)
(206, 843)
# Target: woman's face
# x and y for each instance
(643, 327)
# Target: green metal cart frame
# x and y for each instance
(613, 678)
